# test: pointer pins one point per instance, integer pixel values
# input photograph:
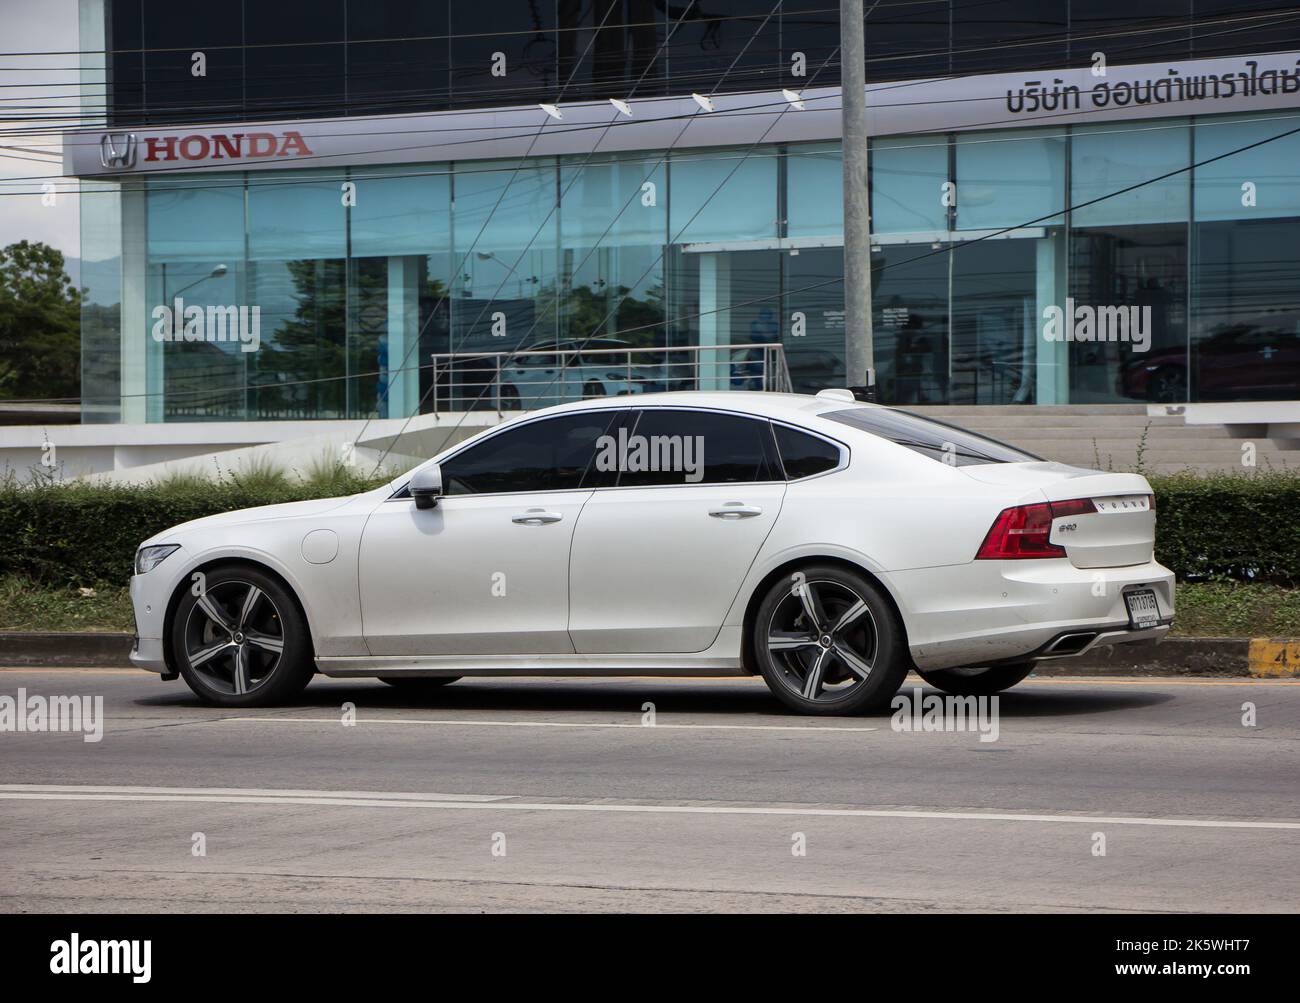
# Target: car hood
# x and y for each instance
(244, 516)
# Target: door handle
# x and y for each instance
(536, 517)
(735, 510)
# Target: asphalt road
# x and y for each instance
(553, 795)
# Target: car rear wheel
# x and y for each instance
(241, 641)
(977, 682)
(827, 642)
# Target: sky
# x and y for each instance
(40, 26)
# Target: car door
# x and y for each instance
(658, 559)
(485, 571)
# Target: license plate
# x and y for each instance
(1143, 611)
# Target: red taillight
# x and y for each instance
(1023, 532)
(1153, 502)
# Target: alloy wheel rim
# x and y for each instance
(822, 639)
(234, 637)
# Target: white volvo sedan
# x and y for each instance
(826, 544)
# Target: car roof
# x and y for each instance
(755, 402)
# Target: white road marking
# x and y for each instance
(276, 792)
(218, 795)
(473, 722)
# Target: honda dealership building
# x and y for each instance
(291, 207)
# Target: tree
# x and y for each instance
(40, 324)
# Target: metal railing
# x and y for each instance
(512, 381)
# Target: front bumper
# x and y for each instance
(149, 595)
(147, 653)
(998, 611)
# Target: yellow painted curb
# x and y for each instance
(1274, 657)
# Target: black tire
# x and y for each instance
(977, 682)
(593, 390)
(264, 631)
(856, 658)
(418, 684)
(509, 399)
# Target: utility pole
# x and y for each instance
(859, 363)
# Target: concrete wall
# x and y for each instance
(1171, 438)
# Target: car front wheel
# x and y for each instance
(241, 641)
(827, 642)
(977, 682)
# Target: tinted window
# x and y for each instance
(695, 447)
(550, 455)
(945, 443)
(803, 455)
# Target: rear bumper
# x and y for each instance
(1077, 642)
(997, 611)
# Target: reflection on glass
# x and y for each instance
(1245, 312)
(910, 324)
(994, 331)
(1135, 276)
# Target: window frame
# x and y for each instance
(845, 451)
(403, 493)
(775, 453)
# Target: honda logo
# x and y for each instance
(117, 149)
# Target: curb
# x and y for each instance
(1257, 657)
(66, 649)
(1172, 656)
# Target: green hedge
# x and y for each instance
(1220, 527)
(84, 535)
(1229, 526)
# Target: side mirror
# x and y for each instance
(426, 485)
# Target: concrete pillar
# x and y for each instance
(1052, 371)
(715, 319)
(141, 358)
(403, 378)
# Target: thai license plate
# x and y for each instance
(1143, 611)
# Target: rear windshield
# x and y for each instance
(945, 443)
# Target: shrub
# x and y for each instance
(87, 534)
(1219, 527)
(1229, 526)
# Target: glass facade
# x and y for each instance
(985, 291)
(291, 58)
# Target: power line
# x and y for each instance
(1268, 20)
(419, 334)
(530, 32)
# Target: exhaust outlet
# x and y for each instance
(1071, 644)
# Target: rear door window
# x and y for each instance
(669, 446)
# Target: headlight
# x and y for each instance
(148, 558)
